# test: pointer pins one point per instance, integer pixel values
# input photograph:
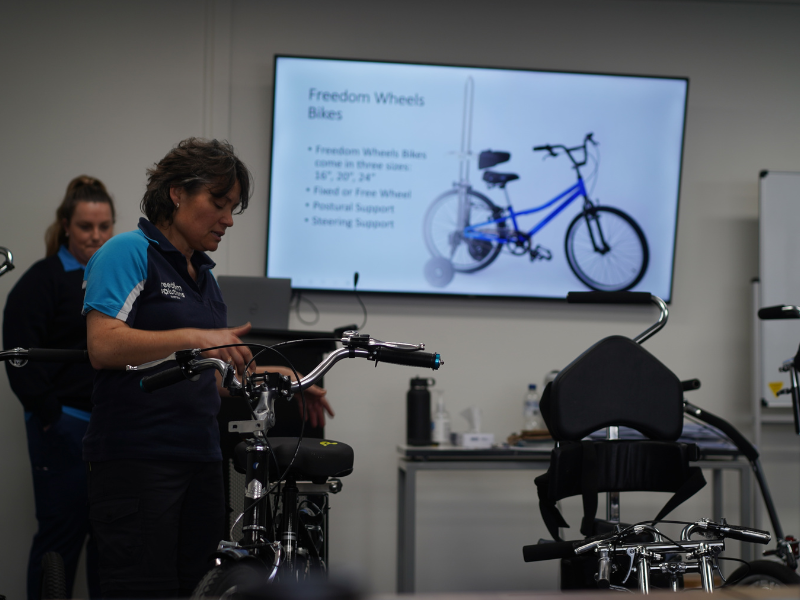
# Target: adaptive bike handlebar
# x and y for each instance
(645, 557)
(281, 538)
(355, 344)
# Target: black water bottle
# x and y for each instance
(418, 412)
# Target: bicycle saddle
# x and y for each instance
(500, 179)
(317, 459)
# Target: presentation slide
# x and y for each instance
(457, 180)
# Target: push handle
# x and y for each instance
(548, 551)
(426, 360)
(625, 298)
(741, 442)
(690, 384)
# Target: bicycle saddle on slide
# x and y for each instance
(500, 179)
(317, 459)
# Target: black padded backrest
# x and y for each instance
(489, 158)
(615, 382)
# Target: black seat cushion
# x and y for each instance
(317, 460)
(615, 382)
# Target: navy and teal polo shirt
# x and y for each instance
(140, 278)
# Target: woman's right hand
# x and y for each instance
(113, 344)
(239, 356)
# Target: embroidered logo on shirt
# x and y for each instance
(171, 290)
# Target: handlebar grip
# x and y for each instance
(151, 383)
(548, 551)
(540, 148)
(782, 311)
(47, 355)
(690, 384)
(744, 534)
(609, 297)
(426, 360)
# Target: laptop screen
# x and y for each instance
(262, 301)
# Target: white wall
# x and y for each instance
(107, 88)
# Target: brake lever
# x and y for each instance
(180, 356)
(354, 339)
(631, 552)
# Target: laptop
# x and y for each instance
(261, 300)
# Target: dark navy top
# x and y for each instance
(43, 310)
(140, 278)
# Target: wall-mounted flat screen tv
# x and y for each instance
(433, 179)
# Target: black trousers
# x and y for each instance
(156, 525)
(62, 510)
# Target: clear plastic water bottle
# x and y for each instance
(441, 421)
(533, 418)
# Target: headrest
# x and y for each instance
(615, 382)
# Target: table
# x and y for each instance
(414, 459)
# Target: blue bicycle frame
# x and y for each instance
(473, 231)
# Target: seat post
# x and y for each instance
(612, 498)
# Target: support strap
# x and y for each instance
(591, 485)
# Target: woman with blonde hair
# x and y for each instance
(43, 310)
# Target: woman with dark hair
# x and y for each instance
(155, 474)
(44, 311)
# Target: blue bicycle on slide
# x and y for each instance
(465, 231)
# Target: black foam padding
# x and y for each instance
(615, 382)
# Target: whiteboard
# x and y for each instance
(779, 256)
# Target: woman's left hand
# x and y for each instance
(316, 405)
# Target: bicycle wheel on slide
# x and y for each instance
(764, 574)
(622, 265)
(444, 230)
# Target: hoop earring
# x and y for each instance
(177, 205)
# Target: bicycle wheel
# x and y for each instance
(444, 230)
(764, 574)
(624, 262)
(232, 576)
(53, 579)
